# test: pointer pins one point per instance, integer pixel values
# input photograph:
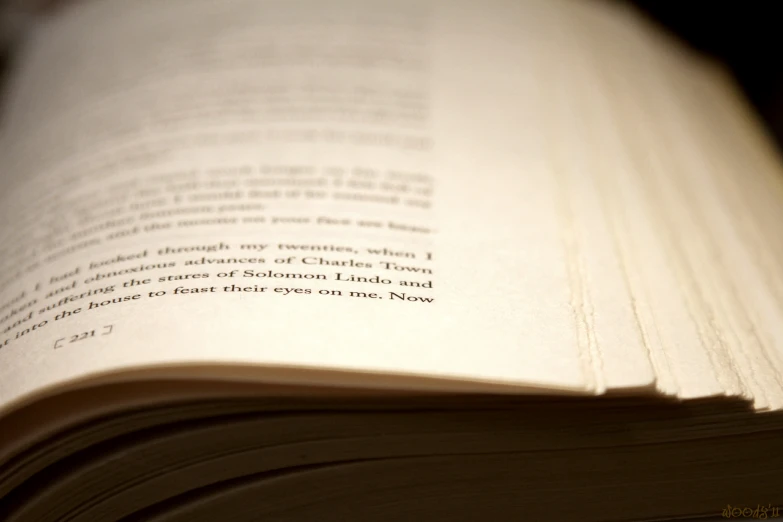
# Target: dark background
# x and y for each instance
(747, 36)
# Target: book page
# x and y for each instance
(714, 218)
(299, 191)
(705, 202)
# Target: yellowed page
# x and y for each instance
(348, 186)
(425, 195)
(676, 120)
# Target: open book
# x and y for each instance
(445, 260)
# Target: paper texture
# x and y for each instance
(444, 193)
